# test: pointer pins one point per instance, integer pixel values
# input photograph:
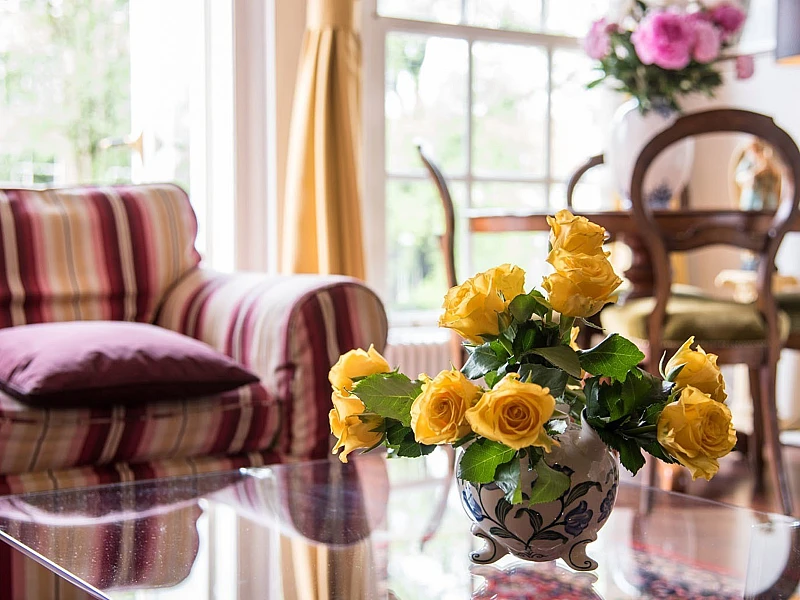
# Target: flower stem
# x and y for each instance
(641, 430)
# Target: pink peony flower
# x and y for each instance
(707, 41)
(728, 17)
(598, 43)
(665, 39)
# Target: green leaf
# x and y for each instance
(482, 359)
(549, 485)
(630, 455)
(524, 306)
(562, 357)
(491, 378)
(614, 357)
(507, 478)
(481, 459)
(389, 395)
(555, 379)
(396, 432)
(410, 448)
(655, 449)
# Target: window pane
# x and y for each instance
(509, 109)
(574, 17)
(580, 117)
(426, 99)
(524, 15)
(527, 250)
(414, 221)
(59, 95)
(439, 11)
(509, 195)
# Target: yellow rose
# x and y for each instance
(471, 308)
(582, 283)
(437, 415)
(514, 413)
(575, 234)
(700, 370)
(356, 363)
(346, 405)
(354, 432)
(696, 430)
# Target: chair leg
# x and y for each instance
(755, 445)
(772, 442)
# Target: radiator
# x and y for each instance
(418, 350)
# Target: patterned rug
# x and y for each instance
(646, 577)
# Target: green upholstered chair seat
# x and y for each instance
(706, 318)
(790, 304)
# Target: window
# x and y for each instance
(495, 90)
(114, 91)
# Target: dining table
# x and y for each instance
(621, 226)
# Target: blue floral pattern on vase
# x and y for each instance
(558, 529)
(471, 504)
(578, 519)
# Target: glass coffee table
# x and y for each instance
(326, 530)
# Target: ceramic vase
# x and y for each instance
(630, 132)
(558, 529)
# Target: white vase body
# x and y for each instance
(547, 531)
(630, 132)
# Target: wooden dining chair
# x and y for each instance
(751, 334)
(447, 242)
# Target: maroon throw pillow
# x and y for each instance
(85, 363)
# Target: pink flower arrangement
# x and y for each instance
(660, 53)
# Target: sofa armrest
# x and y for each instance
(288, 329)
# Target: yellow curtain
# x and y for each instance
(322, 209)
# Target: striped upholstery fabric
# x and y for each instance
(36, 439)
(287, 329)
(92, 253)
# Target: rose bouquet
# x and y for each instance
(535, 382)
(657, 54)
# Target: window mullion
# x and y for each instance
(548, 135)
(470, 74)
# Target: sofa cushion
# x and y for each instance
(36, 439)
(90, 253)
(89, 363)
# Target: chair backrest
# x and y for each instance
(448, 239)
(759, 232)
(574, 179)
(92, 253)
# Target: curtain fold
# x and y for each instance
(322, 230)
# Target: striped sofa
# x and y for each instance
(128, 253)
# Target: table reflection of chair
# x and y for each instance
(750, 334)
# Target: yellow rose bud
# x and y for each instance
(356, 363)
(438, 413)
(697, 431)
(700, 370)
(514, 413)
(582, 283)
(354, 432)
(471, 308)
(577, 235)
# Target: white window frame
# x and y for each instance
(374, 35)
